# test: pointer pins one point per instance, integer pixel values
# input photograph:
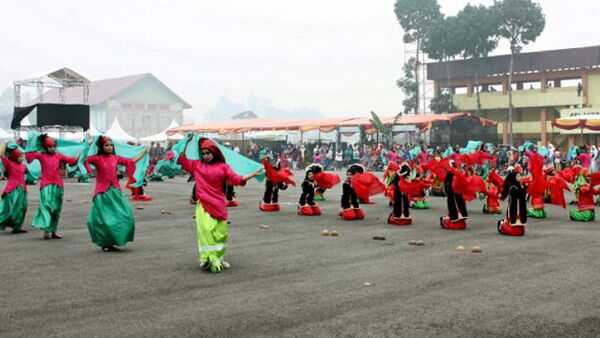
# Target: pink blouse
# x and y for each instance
(106, 170)
(210, 178)
(51, 166)
(16, 175)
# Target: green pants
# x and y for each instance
(212, 239)
(48, 213)
(13, 208)
(583, 216)
(541, 213)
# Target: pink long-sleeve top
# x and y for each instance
(16, 175)
(210, 178)
(51, 166)
(106, 170)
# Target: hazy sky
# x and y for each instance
(340, 57)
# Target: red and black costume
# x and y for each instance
(400, 214)
(306, 204)
(349, 203)
(516, 211)
(457, 207)
(276, 179)
(323, 180)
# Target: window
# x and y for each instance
(164, 106)
(146, 120)
(151, 106)
(139, 105)
(126, 105)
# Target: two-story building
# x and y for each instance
(142, 103)
(546, 85)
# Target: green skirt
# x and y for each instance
(48, 213)
(212, 239)
(420, 205)
(583, 216)
(155, 178)
(111, 221)
(319, 198)
(537, 213)
(13, 208)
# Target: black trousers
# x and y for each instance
(271, 193)
(456, 204)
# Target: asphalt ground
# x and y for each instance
(291, 281)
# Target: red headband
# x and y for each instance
(49, 142)
(104, 139)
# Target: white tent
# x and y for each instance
(93, 131)
(117, 133)
(4, 135)
(163, 137)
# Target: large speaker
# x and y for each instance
(50, 114)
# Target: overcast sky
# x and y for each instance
(340, 57)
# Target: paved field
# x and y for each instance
(291, 281)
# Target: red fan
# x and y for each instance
(468, 187)
(414, 188)
(277, 177)
(367, 184)
(557, 186)
(495, 179)
(438, 168)
(326, 180)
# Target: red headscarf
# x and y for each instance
(49, 142)
(209, 145)
(14, 154)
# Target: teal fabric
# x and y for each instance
(526, 146)
(448, 152)
(572, 153)
(414, 152)
(239, 163)
(544, 151)
(474, 145)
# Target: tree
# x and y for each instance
(444, 43)
(384, 130)
(416, 17)
(479, 37)
(520, 22)
(442, 103)
(410, 86)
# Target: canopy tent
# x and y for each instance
(163, 137)
(93, 131)
(116, 132)
(422, 122)
(590, 122)
(4, 135)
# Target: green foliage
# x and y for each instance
(519, 21)
(444, 39)
(478, 31)
(409, 86)
(416, 17)
(442, 104)
(384, 130)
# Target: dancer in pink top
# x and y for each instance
(110, 221)
(51, 185)
(13, 205)
(210, 175)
